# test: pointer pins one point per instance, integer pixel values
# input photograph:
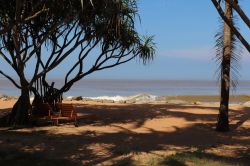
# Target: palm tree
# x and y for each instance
(228, 57)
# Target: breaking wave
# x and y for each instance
(137, 98)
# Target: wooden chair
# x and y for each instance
(67, 113)
(43, 112)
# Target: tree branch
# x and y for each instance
(235, 31)
(238, 9)
(6, 59)
(49, 32)
(36, 14)
(9, 78)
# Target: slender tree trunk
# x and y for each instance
(20, 111)
(223, 123)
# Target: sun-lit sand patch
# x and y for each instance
(7, 104)
(228, 150)
(168, 124)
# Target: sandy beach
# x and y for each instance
(129, 134)
(124, 83)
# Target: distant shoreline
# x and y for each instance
(146, 98)
(183, 99)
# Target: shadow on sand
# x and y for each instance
(91, 147)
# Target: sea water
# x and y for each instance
(120, 88)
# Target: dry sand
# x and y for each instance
(134, 131)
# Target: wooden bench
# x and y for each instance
(67, 113)
(44, 112)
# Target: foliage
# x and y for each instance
(47, 33)
(235, 54)
(27, 27)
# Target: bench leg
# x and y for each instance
(76, 123)
(56, 121)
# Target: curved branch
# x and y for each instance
(238, 9)
(6, 58)
(97, 67)
(46, 35)
(9, 78)
(235, 31)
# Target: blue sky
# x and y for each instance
(184, 33)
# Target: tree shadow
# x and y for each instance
(18, 158)
(4, 115)
(124, 162)
(127, 113)
(241, 118)
(93, 148)
(200, 157)
(138, 114)
(90, 147)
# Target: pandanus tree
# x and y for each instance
(48, 33)
(228, 55)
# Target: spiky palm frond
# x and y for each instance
(147, 49)
(235, 58)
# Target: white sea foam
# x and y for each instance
(136, 98)
(69, 97)
(114, 98)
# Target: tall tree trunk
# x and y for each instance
(223, 123)
(20, 111)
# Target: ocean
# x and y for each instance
(112, 87)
